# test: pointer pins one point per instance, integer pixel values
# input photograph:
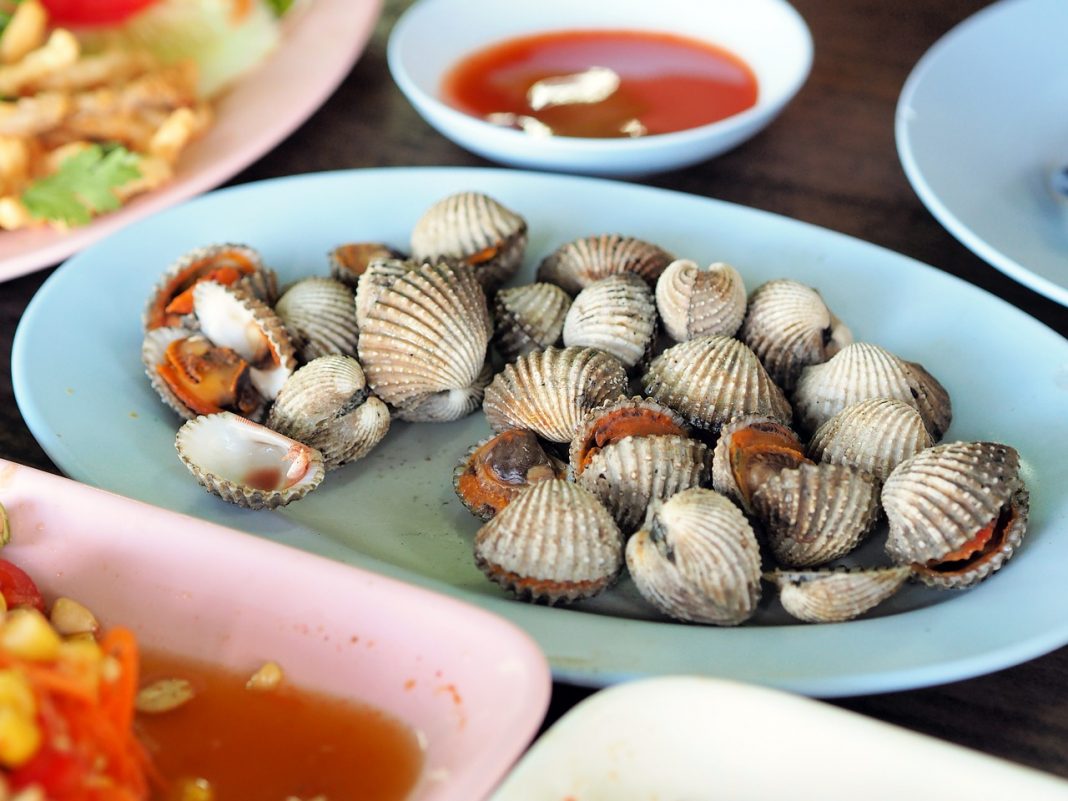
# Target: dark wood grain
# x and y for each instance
(829, 159)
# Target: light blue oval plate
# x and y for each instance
(79, 384)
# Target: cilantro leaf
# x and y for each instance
(82, 186)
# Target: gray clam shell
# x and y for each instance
(579, 263)
(447, 405)
(320, 315)
(153, 347)
(832, 596)
(617, 315)
(529, 318)
(695, 303)
(697, 559)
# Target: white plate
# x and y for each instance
(692, 739)
(981, 124)
(317, 51)
(79, 384)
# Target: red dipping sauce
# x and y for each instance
(666, 83)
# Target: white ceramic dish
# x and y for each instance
(79, 383)
(981, 126)
(472, 685)
(433, 35)
(695, 739)
(317, 51)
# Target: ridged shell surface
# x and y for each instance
(697, 559)
(696, 303)
(493, 472)
(551, 391)
(529, 318)
(320, 315)
(579, 263)
(937, 501)
(861, 371)
(475, 229)
(815, 513)
(789, 327)
(775, 447)
(246, 463)
(831, 596)
(326, 404)
(874, 436)
(617, 315)
(620, 418)
(629, 474)
(712, 380)
(449, 404)
(427, 334)
(379, 276)
(555, 543)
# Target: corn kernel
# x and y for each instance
(266, 678)
(71, 617)
(164, 695)
(3, 605)
(16, 694)
(19, 738)
(26, 634)
(196, 790)
(5, 527)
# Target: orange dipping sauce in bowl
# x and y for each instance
(601, 83)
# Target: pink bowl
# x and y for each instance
(473, 685)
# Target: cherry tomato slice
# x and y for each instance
(18, 588)
(93, 12)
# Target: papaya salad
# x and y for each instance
(99, 98)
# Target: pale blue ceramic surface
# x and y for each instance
(80, 386)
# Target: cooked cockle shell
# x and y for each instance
(712, 380)
(427, 335)
(555, 543)
(627, 475)
(550, 391)
(376, 279)
(861, 371)
(789, 327)
(449, 405)
(475, 229)
(749, 451)
(171, 302)
(874, 436)
(529, 318)
(814, 513)
(578, 264)
(697, 559)
(493, 472)
(696, 303)
(327, 404)
(193, 377)
(831, 596)
(246, 463)
(320, 315)
(349, 261)
(617, 315)
(620, 418)
(957, 511)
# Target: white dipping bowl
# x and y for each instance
(432, 36)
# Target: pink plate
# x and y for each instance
(473, 685)
(317, 51)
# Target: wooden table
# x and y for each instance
(830, 160)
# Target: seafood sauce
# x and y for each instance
(599, 83)
(281, 743)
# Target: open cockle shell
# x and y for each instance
(327, 404)
(232, 318)
(748, 452)
(555, 543)
(697, 559)
(789, 327)
(617, 419)
(696, 303)
(617, 315)
(957, 512)
(492, 473)
(551, 391)
(831, 596)
(579, 263)
(627, 475)
(862, 371)
(874, 436)
(170, 303)
(427, 335)
(529, 318)
(320, 315)
(248, 464)
(349, 261)
(712, 380)
(475, 229)
(815, 513)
